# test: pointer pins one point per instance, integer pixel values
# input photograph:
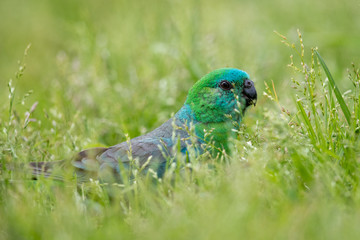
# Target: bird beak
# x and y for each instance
(249, 92)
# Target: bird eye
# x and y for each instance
(225, 85)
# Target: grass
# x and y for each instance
(97, 72)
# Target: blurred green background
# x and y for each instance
(100, 69)
(132, 62)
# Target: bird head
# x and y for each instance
(222, 93)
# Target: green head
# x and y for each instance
(216, 100)
(218, 94)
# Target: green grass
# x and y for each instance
(95, 72)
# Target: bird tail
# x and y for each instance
(77, 167)
(34, 169)
(47, 169)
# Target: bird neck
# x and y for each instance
(215, 134)
(186, 115)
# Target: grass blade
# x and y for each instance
(338, 95)
(307, 122)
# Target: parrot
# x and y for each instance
(213, 104)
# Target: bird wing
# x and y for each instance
(115, 163)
